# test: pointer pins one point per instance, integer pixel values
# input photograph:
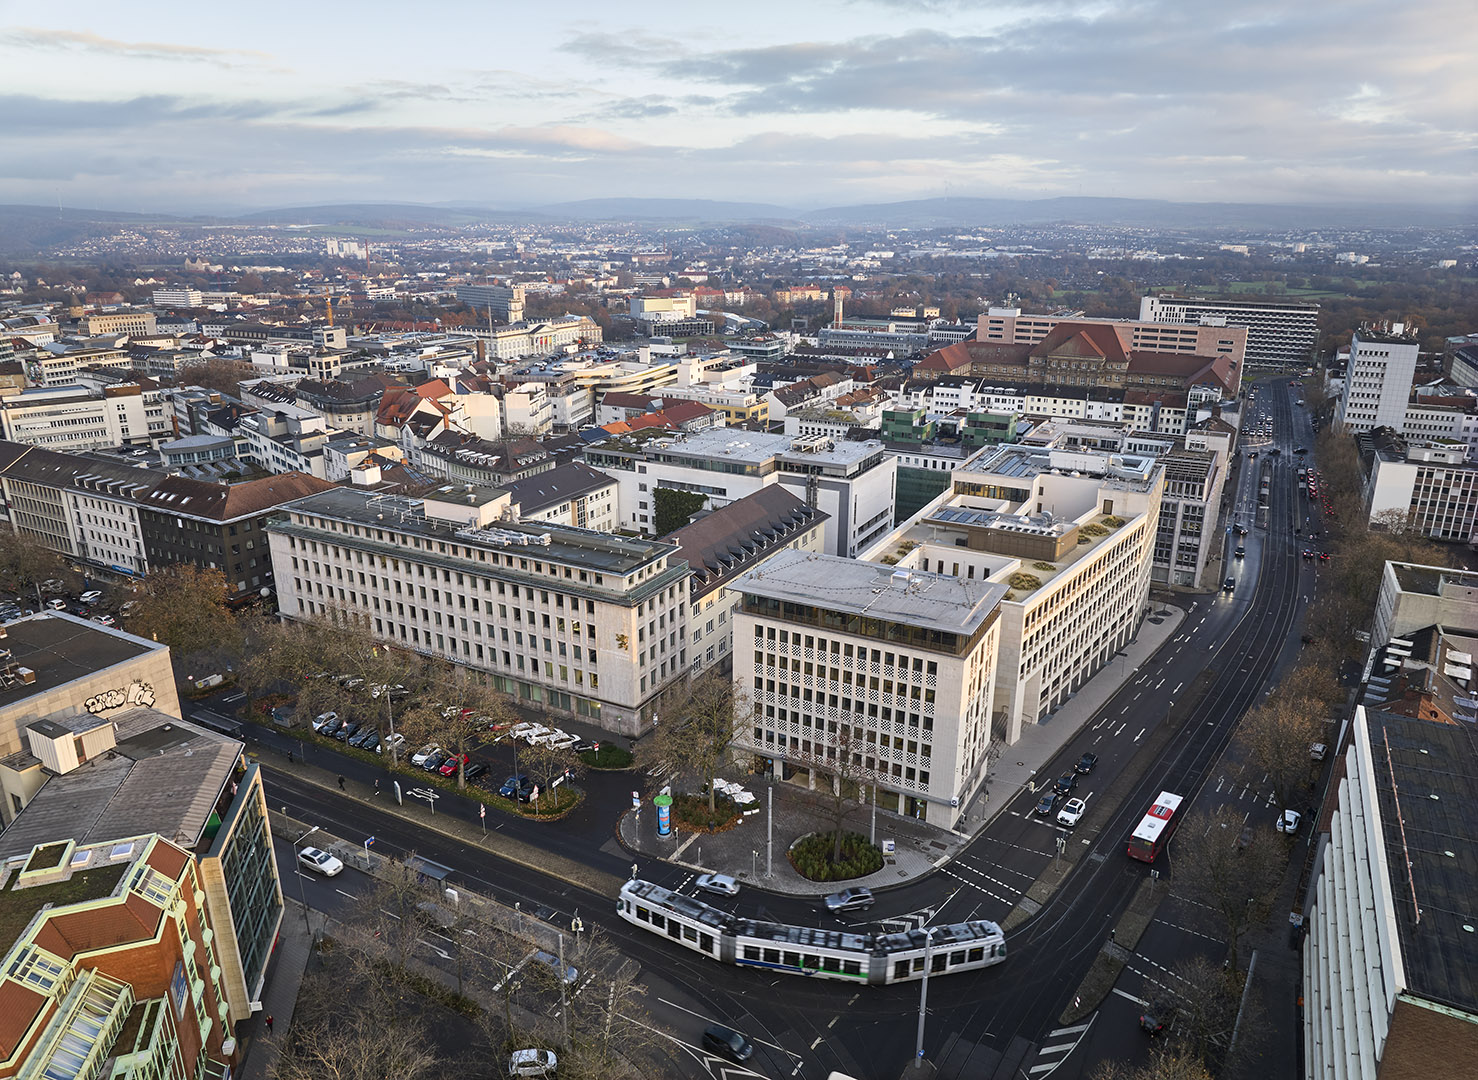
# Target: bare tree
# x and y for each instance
(184, 606)
(26, 561)
(1277, 736)
(1229, 867)
(456, 711)
(1202, 1007)
(696, 737)
(336, 1038)
(546, 763)
(1167, 1064)
(839, 769)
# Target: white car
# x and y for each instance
(421, 756)
(532, 1063)
(1288, 822)
(320, 862)
(720, 884)
(91, 596)
(1072, 812)
(324, 718)
(396, 742)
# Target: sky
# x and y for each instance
(166, 106)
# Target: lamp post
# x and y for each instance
(302, 894)
(924, 997)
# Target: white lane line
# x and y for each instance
(1067, 1030)
(1055, 1049)
(350, 895)
(1043, 1068)
(1131, 997)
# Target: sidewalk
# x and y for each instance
(744, 853)
(279, 992)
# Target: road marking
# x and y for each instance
(816, 1043)
(1044, 1068)
(1177, 688)
(1068, 1030)
(1131, 997)
(350, 895)
(1055, 1049)
(831, 1025)
(1141, 734)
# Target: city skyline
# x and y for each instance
(166, 108)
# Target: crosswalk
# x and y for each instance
(1059, 1043)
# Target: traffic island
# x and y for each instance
(1115, 953)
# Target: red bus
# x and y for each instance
(1154, 831)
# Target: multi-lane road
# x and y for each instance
(1168, 727)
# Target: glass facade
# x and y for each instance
(244, 847)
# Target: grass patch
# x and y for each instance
(45, 858)
(17, 906)
(811, 857)
(608, 757)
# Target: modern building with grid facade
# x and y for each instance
(1378, 381)
(1071, 533)
(1278, 332)
(576, 622)
(1430, 488)
(863, 675)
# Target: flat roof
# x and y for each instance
(1432, 580)
(1428, 800)
(62, 648)
(911, 597)
(165, 776)
(605, 552)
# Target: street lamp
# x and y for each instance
(302, 895)
(924, 996)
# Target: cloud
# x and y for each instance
(82, 41)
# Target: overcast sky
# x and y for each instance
(172, 106)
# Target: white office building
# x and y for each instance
(1072, 534)
(567, 620)
(1378, 381)
(79, 418)
(1278, 333)
(868, 675)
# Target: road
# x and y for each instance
(1166, 729)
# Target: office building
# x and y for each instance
(568, 620)
(75, 418)
(178, 296)
(134, 323)
(1413, 596)
(1072, 533)
(128, 520)
(851, 482)
(1389, 953)
(1378, 380)
(571, 494)
(868, 675)
(1279, 333)
(1429, 487)
(730, 541)
(503, 303)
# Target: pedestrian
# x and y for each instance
(377, 785)
(269, 1023)
(341, 783)
(289, 757)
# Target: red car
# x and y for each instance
(451, 764)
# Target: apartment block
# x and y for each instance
(1388, 954)
(570, 620)
(1429, 487)
(133, 323)
(1072, 534)
(868, 675)
(730, 541)
(1278, 333)
(504, 303)
(52, 369)
(1378, 380)
(178, 296)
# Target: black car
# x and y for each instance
(1229, 584)
(728, 1042)
(1151, 1024)
(1085, 763)
(436, 761)
(1300, 450)
(332, 727)
(1241, 530)
(1048, 803)
(1066, 783)
(348, 731)
(1241, 552)
(474, 770)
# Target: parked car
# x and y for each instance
(332, 727)
(105, 620)
(395, 742)
(320, 862)
(514, 784)
(585, 744)
(565, 972)
(57, 604)
(475, 770)
(1066, 783)
(363, 736)
(718, 884)
(420, 756)
(532, 1063)
(128, 608)
(347, 730)
(450, 765)
(52, 585)
(1317, 751)
(435, 761)
(1287, 822)
(728, 1042)
(1085, 763)
(856, 898)
(91, 596)
(324, 718)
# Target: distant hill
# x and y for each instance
(382, 215)
(702, 210)
(1150, 213)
